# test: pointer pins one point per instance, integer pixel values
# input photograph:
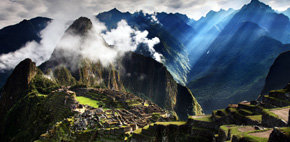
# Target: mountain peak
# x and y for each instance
(17, 84)
(115, 10)
(81, 26)
(255, 1)
(256, 5)
(287, 12)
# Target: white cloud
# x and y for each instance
(124, 39)
(93, 46)
(38, 52)
(13, 11)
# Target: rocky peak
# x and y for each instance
(16, 85)
(81, 26)
(256, 4)
(23, 73)
(115, 10)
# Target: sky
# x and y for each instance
(14, 11)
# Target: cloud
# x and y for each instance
(38, 52)
(105, 47)
(124, 39)
(64, 11)
(13, 11)
(279, 5)
(93, 46)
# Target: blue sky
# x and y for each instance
(13, 11)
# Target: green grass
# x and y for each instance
(206, 118)
(246, 112)
(255, 117)
(285, 130)
(41, 95)
(138, 131)
(87, 101)
(277, 99)
(244, 135)
(178, 123)
(279, 91)
(268, 111)
(232, 110)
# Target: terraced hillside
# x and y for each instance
(45, 110)
(255, 121)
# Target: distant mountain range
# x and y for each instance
(287, 12)
(223, 57)
(15, 36)
(234, 66)
(170, 30)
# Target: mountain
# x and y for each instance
(176, 59)
(235, 64)
(232, 73)
(278, 75)
(138, 74)
(208, 29)
(20, 77)
(277, 25)
(57, 93)
(177, 25)
(43, 110)
(199, 53)
(287, 12)
(15, 36)
(39, 107)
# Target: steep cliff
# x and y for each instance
(279, 73)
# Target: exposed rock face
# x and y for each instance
(278, 75)
(16, 86)
(80, 26)
(145, 75)
(186, 103)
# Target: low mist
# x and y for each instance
(98, 45)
